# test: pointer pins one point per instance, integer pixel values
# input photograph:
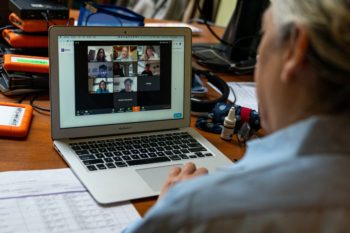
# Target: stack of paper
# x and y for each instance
(55, 201)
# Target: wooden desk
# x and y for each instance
(36, 151)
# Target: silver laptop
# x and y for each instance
(120, 101)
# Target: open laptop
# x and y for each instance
(121, 119)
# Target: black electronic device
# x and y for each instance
(242, 36)
(4, 14)
(200, 105)
(17, 83)
(40, 9)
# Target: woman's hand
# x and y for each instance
(177, 174)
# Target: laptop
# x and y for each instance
(121, 119)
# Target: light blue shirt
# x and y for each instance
(295, 180)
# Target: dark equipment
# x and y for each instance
(238, 49)
(40, 9)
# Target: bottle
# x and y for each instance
(229, 125)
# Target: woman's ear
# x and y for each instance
(295, 54)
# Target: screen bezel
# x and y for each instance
(87, 131)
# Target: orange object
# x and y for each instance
(15, 119)
(37, 25)
(136, 108)
(33, 64)
(18, 39)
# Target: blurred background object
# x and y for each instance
(4, 13)
(215, 11)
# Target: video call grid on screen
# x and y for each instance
(79, 103)
(121, 76)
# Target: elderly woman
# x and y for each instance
(296, 179)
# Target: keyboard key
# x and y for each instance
(183, 156)
(108, 154)
(144, 156)
(185, 151)
(135, 152)
(93, 146)
(111, 149)
(176, 152)
(208, 154)
(193, 156)
(120, 164)
(99, 156)
(197, 149)
(91, 168)
(86, 157)
(92, 161)
(194, 145)
(101, 166)
(76, 148)
(85, 147)
(151, 150)
(93, 151)
(152, 155)
(126, 157)
(143, 151)
(117, 159)
(110, 165)
(108, 160)
(135, 157)
(161, 144)
(168, 152)
(174, 157)
(117, 153)
(147, 161)
(82, 152)
(102, 150)
(160, 154)
(126, 152)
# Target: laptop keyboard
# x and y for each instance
(124, 152)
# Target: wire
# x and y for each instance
(20, 100)
(208, 26)
(6, 27)
(36, 107)
(46, 17)
(234, 95)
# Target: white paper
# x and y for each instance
(28, 205)
(245, 94)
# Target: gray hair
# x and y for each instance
(328, 26)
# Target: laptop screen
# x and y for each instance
(120, 79)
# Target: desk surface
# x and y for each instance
(36, 151)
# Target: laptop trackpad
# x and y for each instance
(156, 176)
